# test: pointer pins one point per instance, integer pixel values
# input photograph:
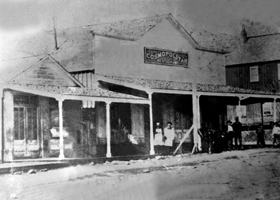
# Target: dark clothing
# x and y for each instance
(260, 136)
(237, 128)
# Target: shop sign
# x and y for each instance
(267, 109)
(165, 57)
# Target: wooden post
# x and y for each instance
(8, 125)
(274, 111)
(198, 113)
(239, 109)
(195, 121)
(108, 130)
(1, 126)
(262, 112)
(61, 139)
(45, 126)
(152, 149)
(183, 139)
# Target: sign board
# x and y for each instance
(242, 110)
(254, 74)
(165, 57)
(267, 109)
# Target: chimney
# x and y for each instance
(244, 34)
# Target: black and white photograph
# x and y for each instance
(139, 100)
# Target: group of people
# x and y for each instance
(164, 137)
(229, 139)
(233, 133)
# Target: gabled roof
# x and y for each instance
(75, 48)
(257, 49)
(46, 71)
(137, 28)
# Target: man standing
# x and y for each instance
(275, 134)
(229, 135)
(260, 136)
(237, 128)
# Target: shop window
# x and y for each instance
(25, 123)
(254, 74)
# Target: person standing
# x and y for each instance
(229, 135)
(169, 134)
(237, 128)
(260, 136)
(275, 134)
(158, 135)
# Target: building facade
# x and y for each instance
(255, 65)
(104, 84)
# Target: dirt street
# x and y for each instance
(250, 174)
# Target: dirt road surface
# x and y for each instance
(249, 174)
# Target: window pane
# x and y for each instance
(254, 74)
(34, 123)
(21, 123)
(16, 120)
(29, 124)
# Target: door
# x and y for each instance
(26, 142)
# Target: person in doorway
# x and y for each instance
(260, 136)
(229, 135)
(158, 140)
(169, 135)
(237, 129)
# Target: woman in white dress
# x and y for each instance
(158, 135)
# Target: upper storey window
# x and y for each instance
(254, 74)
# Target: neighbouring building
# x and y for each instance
(103, 84)
(256, 65)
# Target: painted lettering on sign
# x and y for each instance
(165, 57)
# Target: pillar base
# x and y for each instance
(152, 152)
(8, 155)
(61, 156)
(108, 155)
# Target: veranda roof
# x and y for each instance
(57, 91)
(183, 86)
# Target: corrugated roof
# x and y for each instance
(75, 51)
(134, 29)
(225, 42)
(155, 84)
(229, 89)
(186, 86)
(77, 91)
(128, 30)
(257, 49)
(256, 29)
